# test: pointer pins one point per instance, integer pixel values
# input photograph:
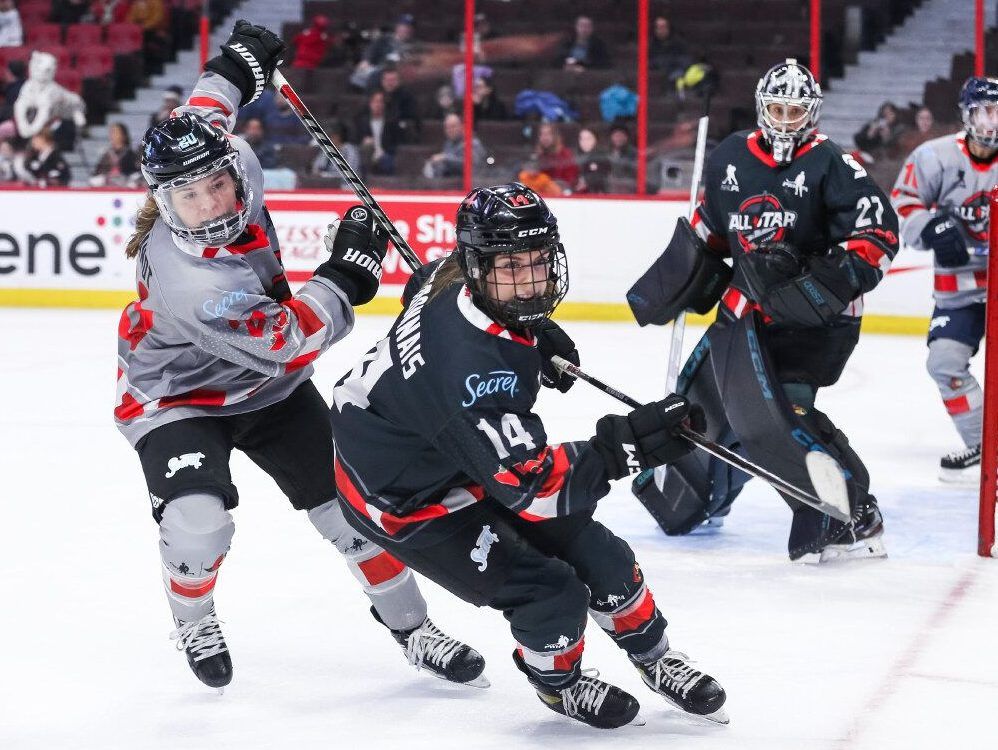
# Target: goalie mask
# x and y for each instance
(511, 254)
(979, 110)
(197, 180)
(787, 103)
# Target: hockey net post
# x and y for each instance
(989, 440)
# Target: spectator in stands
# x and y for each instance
(925, 130)
(255, 135)
(43, 165)
(379, 136)
(281, 123)
(68, 12)
(385, 48)
(13, 77)
(338, 134)
(449, 161)
(538, 180)
(487, 105)
(43, 103)
(622, 155)
(583, 49)
(11, 33)
(171, 100)
(151, 16)
(311, 44)
(109, 11)
(594, 169)
(666, 52)
(457, 76)
(400, 104)
(119, 164)
(8, 159)
(880, 135)
(554, 157)
(444, 103)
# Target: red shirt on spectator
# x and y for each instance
(560, 165)
(311, 44)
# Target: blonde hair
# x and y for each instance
(447, 275)
(143, 225)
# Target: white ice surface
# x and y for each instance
(898, 653)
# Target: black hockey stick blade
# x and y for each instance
(336, 157)
(825, 474)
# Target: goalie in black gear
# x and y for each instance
(808, 233)
(442, 458)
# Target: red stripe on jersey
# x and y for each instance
(556, 479)
(958, 405)
(134, 334)
(866, 250)
(567, 661)
(308, 321)
(636, 617)
(197, 397)
(497, 330)
(949, 282)
(380, 568)
(757, 151)
(901, 191)
(129, 408)
(978, 164)
(207, 101)
(904, 211)
(119, 374)
(195, 591)
(345, 485)
(392, 523)
(255, 238)
(299, 362)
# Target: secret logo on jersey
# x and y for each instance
(495, 382)
(974, 213)
(761, 219)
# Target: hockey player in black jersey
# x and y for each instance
(808, 233)
(442, 459)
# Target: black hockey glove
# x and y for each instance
(551, 340)
(816, 297)
(357, 246)
(768, 267)
(944, 237)
(248, 59)
(646, 437)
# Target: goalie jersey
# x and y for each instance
(942, 173)
(439, 415)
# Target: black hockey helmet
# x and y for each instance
(785, 86)
(181, 151)
(979, 110)
(494, 224)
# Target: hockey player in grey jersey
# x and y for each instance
(217, 354)
(941, 197)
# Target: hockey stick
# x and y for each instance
(333, 154)
(826, 476)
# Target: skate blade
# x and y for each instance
(969, 477)
(481, 682)
(863, 549)
(720, 716)
(221, 691)
(637, 721)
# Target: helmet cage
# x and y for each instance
(788, 84)
(218, 231)
(525, 308)
(981, 126)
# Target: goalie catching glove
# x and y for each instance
(248, 59)
(647, 437)
(357, 246)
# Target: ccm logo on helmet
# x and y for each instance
(532, 232)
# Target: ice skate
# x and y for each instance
(684, 686)
(961, 466)
(427, 647)
(207, 653)
(590, 700)
(863, 540)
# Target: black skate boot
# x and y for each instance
(684, 686)
(590, 700)
(206, 650)
(962, 466)
(865, 538)
(427, 647)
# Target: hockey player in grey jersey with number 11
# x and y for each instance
(941, 197)
(217, 354)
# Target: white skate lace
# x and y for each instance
(587, 694)
(428, 644)
(674, 673)
(962, 455)
(203, 637)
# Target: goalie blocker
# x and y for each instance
(686, 276)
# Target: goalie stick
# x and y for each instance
(826, 475)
